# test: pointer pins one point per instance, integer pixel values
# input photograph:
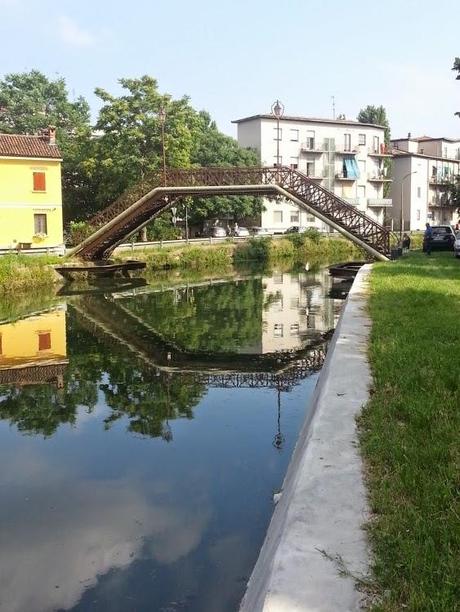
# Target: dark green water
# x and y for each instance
(143, 433)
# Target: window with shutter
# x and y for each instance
(39, 181)
(44, 341)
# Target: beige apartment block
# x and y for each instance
(346, 157)
(423, 167)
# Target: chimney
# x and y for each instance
(51, 135)
(409, 135)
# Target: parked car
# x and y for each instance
(260, 231)
(215, 231)
(457, 245)
(240, 232)
(443, 238)
(295, 229)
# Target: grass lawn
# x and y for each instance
(410, 433)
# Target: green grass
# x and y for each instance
(410, 433)
(23, 272)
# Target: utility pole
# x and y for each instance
(333, 106)
(401, 229)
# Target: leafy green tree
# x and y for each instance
(29, 103)
(212, 148)
(129, 147)
(456, 68)
(376, 115)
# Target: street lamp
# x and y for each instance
(278, 112)
(162, 120)
(402, 203)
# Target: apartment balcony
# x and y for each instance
(379, 202)
(381, 151)
(308, 147)
(352, 201)
(442, 181)
(441, 204)
(343, 177)
(346, 151)
(378, 178)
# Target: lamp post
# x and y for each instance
(402, 203)
(162, 120)
(278, 112)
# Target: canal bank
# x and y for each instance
(315, 552)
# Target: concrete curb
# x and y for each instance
(316, 529)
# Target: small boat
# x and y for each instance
(348, 269)
(100, 269)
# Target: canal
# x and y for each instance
(144, 431)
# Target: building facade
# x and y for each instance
(346, 157)
(422, 169)
(30, 192)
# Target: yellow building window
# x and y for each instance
(39, 181)
(44, 341)
(40, 224)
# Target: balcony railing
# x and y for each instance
(380, 151)
(445, 179)
(343, 177)
(352, 201)
(379, 178)
(385, 202)
(309, 147)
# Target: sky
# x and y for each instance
(235, 58)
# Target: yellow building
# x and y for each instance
(34, 349)
(30, 192)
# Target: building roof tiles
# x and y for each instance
(20, 145)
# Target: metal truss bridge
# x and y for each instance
(148, 199)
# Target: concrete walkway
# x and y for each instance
(316, 530)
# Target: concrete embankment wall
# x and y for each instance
(316, 530)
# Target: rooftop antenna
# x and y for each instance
(333, 106)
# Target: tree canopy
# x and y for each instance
(124, 146)
(376, 115)
(456, 68)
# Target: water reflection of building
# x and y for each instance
(296, 308)
(33, 349)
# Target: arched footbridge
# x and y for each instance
(140, 205)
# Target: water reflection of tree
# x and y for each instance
(213, 318)
(148, 399)
(152, 403)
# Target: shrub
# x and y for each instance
(78, 231)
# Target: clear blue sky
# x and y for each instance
(234, 58)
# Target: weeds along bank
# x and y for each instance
(410, 433)
(295, 248)
(23, 272)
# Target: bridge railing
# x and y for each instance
(296, 183)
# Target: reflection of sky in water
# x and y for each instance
(98, 517)
(105, 516)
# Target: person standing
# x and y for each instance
(427, 239)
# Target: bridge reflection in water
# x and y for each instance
(277, 338)
(170, 416)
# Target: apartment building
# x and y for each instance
(346, 157)
(422, 169)
(296, 310)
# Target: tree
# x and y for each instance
(29, 103)
(376, 115)
(212, 148)
(456, 67)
